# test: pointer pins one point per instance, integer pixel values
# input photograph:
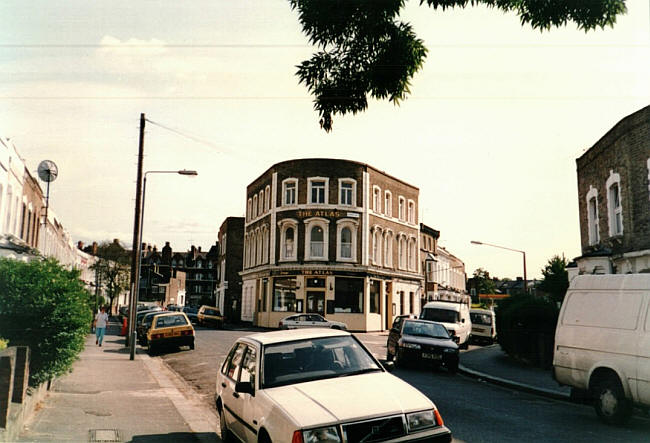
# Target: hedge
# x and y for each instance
(526, 328)
(46, 307)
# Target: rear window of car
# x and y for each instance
(167, 321)
(211, 312)
(441, 315)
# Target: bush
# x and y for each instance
(46, 307)
(3, 344)
(526, 328)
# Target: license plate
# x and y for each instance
(432, 356)
(176, 333)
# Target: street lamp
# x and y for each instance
(134, 300)
(474, 242)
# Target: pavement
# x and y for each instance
(109, 398)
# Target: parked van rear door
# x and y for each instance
(643, 358)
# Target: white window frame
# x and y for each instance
(402, 248)
(388, 249)
(592, 219)
(353, 226)
(310, 182)
(353, 196)
(260, 210)
(254, 214)
(614, 212)
(267, 198)
(285, 182)
(411, 254)
(249, 209)
(377, 245)
(376, 199)
(283, 225)
(324, 225)
(410, 211)
(401, 209)
(259, 246)
(388, 203)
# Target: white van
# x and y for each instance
(484, 327)
(454, 316)
(602, 342)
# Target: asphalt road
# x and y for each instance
(475, 411)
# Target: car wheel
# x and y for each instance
(151, 350)
(192, 346)
(610, 402)
(396, 360)
(225, 434)
(389, 356)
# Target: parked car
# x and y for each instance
(140, 314)
(170, 329)
(422, 341)
(484, 328)
(454, 316)
(310, 321)
(210, 316)
(311, 385)
(192, 313)
(143, 326)
(602, 343)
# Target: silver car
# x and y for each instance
(310, 321)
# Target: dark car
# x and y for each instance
(142, 327)
(423, 342)
(192, 313)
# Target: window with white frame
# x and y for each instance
(592, 216)
(346, 245)
(258, 257)
(290, 192)
(376, 246)
(401, 209)
(318, 190)
(388, 249)
(260, 210)
(288, 239)
(402, 251)
(614, 215)
(347, 192)
(267, 198)
(411, 212)
(388, 204)
(412, 254)
(246, 250)
(265, 245)
(254, 214)
(249, 209)
(376, 199)
(317, 234)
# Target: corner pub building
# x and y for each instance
(333, 237)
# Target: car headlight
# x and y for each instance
(420, 420)
(409, 345)
(322, 435)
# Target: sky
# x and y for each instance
(489, 134)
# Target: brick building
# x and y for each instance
(334, 237)
(614, 199)
(33, 206)
(428, 250)
(229, 265)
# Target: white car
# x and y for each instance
(318, 385)
(310, 321)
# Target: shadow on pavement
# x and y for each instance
(177, 437)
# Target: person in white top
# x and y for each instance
(101, 319)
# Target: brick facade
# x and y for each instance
(621, 156)
(229, 264)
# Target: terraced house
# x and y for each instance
(334, 237)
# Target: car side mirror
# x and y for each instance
(389, 366)
(244, 387)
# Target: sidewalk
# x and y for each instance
(492, 364)
(110, 398)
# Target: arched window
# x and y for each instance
(388, 249)
(402, 251)
(254, 214)
(316, 241)
(260, 211)
(376, 246)
(289, 243)
(288, 239)
(265, 245)
(199, 264)
(258, 257)
(267, 198)
(249, 209)
(346, 245)
(592, 216)
(411, 254)
(614, 208)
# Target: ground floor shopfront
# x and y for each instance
(363, 300)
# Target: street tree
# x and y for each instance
(556, 278)
(365, 50)
(113, 269)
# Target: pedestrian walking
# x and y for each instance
(101, 319)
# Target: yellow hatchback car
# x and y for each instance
(170, 329)
(209, 315)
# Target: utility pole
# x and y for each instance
(135, 256)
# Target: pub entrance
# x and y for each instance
(316, 296)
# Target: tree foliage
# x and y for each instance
(556, 278)
(365, 50)
(113, 268)
(46, 307)
(484, 284)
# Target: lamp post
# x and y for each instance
(474, 242)
(136, 279)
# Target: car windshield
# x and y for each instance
(481, 319)
(441, 315)
(423, 329)
(314, 359)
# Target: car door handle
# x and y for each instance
(223, 385)
(235, 394)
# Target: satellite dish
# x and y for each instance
(48, 171)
